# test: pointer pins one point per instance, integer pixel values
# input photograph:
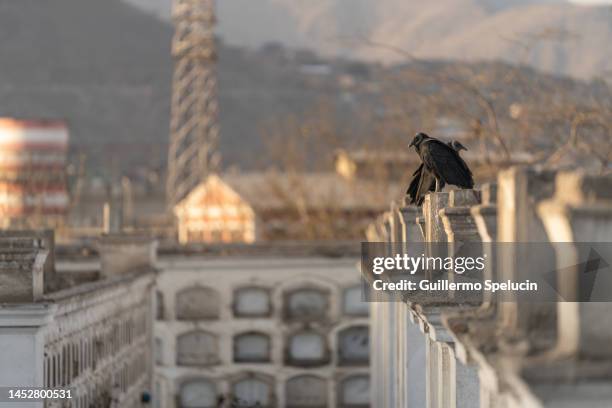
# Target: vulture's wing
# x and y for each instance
(414, 184)
(446, 163)
(427, 183)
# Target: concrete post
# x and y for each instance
(40, 239)
(397, 222)
(432, 374)
(520, 189)
(410, 229)
(485, 219)
(120, 254)
(580, 211)
(467, 385)
(400, 354)
(413, 361)
(434, 228)
(22, 267)
(421, 224)
(460, 228)
(391, 362)
(22, 332)
(416, 361)
(462, 378)
(457, 219)
(387, 232)
(376, 356)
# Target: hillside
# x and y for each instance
(106, 68)
(564, 38)
(103, 66)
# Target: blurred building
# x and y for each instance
(382, 164)
(33, 155)
(259, 325)
(278, 206)
(500, 352)
(136, 203)
(84, 329)
(261, 331)
(398, 166)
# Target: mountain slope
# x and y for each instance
(463, 29)
(105, 66)
(559, 38)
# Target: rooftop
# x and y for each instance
(314, 191)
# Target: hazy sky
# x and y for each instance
(592, 1)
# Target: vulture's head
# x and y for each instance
(418, 139)
(457, 146)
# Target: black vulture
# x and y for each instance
(425, 180)
(441, 165)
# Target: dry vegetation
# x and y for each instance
(509, 109)
(501, 110)
(505, 113)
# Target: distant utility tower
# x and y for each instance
(194, 125)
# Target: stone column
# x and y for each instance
(521, 189)
(457, 220)
(381, 331)
(397, 229)
(434, 228)
(460, 228)
(391, 360)
(420, 221)
(411, 231)
(467, 385)
(485, 218)
(22, 270)
(376, 353)
(123, 254)
(35, 239)
(22, 347)
(416, 353)
(438, 342)
(387, 232)
(432, 374)
(413, 345)
(581, 211)
(374, 232)
(397, 222)
(429, 308)
(485, 214)
(400, 354)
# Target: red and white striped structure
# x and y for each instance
(33, 157)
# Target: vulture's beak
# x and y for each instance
(411, 144)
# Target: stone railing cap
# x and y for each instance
(578, 188)
(463, 198)
(489, 193)
(123, 239)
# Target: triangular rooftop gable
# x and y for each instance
(212, 191)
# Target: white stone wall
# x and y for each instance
(279, 276)
(168, 330)
(506, 354)
(98, 343)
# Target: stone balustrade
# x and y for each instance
(100, 341)
(94, 338)
(487, 353)
(24, 274)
